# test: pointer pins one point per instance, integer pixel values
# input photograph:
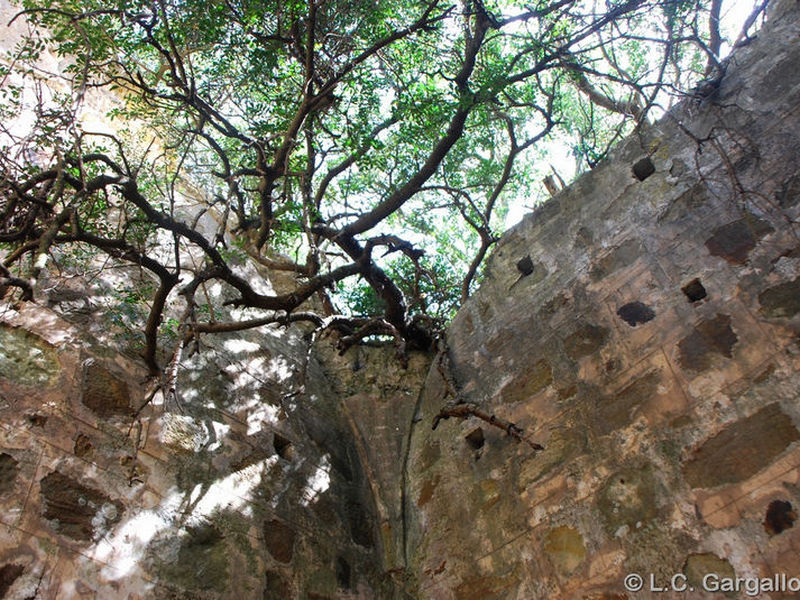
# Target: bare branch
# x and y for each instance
(8, 280)
(464, 411)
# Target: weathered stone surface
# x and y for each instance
(697, 566)
(532, 381)
(77, 511)
(628, 499)
(565, 548)
(789, 193)
(552, 306)
(279, 539)
(742, 449)
(277, 587)
(735, 240)
(687, 204)
(83, 446)
(430, 454)
(584, 341)
(713, 336)
(615, 411)
(564, 445)
(103, 392)
(782, 300)
(428, 487)
(178, 498)
(26, 359)
(622, 256)
(9, 468)
(667, 349)
(202, 562)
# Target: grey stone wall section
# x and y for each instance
(653, 349)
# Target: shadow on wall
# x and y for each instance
(247, 488)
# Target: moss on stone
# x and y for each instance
(322, 584)
(565, 444)
(697, 566)
(431, 452)
(629, 498)
(477, 587)
(202, 561)
(658, 547)
(565, 548)
(26, 359)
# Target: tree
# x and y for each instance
(329, 139)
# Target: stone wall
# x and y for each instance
(250, 487)
(274, 475)
(653, 350)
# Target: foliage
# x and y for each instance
(330, 139)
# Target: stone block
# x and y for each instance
(104, 392)
(741, 449)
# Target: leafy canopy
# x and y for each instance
(369, 150)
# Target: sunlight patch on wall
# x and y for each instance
(240, 345)
(234, 492)
(260, 414)
(124, 549)
(318, 483)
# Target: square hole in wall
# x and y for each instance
(694, 290)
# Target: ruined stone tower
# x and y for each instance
(653, 350)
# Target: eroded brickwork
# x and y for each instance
(254, 485)
(653, 347)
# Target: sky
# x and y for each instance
(560, 158)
